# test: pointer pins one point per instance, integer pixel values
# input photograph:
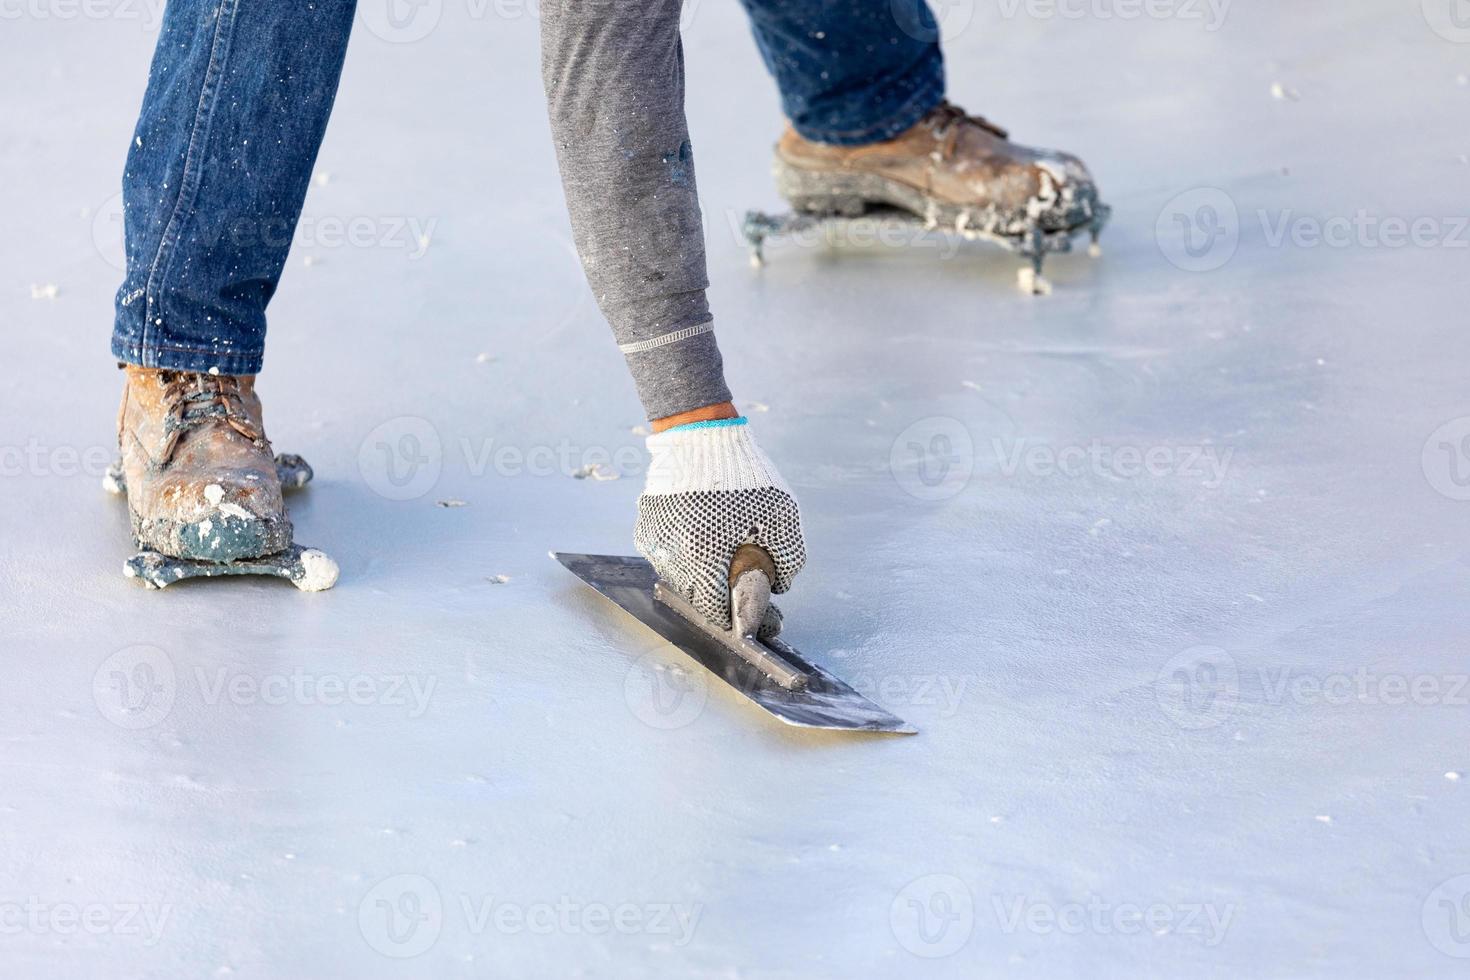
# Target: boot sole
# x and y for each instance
(848, 194)
(220, 538)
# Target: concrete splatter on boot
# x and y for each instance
(951, 168)
(200, 476)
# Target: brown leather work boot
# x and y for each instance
(201, 479)
(950, 168)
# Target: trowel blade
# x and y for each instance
(824, 702)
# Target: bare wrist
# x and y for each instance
(722, 410)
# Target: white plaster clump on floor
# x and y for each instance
(320, 571)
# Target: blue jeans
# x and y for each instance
(238, 100)
(850, 71)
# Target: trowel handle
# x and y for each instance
(752, 575)
(770, 662)
(752, 558)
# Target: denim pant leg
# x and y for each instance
(851, 71)
(237, 101)
(614, 76)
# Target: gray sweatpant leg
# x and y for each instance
(614, 75)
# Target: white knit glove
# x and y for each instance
(710, 489)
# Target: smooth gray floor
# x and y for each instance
(1169, 567)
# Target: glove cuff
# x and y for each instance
(690, 459)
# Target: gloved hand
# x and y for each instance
(710, 489)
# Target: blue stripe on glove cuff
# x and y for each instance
(709, 424)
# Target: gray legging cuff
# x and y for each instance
(669, 341)
(682, 374)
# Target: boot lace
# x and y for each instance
(195, 400)
(950, 121)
